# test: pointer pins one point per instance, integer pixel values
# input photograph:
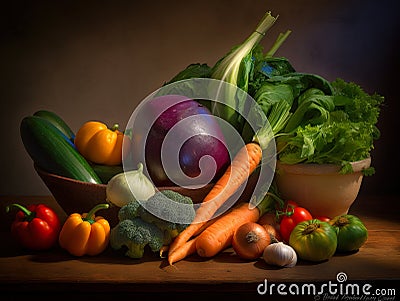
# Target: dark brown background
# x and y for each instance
(99, 59)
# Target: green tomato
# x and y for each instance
(314, 240)
(351, 232)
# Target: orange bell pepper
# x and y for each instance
(99, 144)
(85, 234)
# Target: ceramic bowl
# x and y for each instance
(78, 197)
(320, 187)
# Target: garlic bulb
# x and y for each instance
(129, 186)
(280, 254)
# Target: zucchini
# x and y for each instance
(51, 151)
(58, 122)
(106, 172)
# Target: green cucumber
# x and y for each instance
(50, 151)
(57, 121)
(106, 172)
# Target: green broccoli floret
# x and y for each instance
(135, 234)
(170, 211)
(129, 211)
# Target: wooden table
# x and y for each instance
(56, 272)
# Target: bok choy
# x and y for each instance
(235, 68)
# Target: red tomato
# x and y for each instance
(322, 218)
(291, 219)
(289, 204)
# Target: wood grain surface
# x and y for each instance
(55, 271)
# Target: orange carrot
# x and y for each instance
(241, 167)
(188, 248)
(204, 226)
(164, 249)
(218, 236)
(185, 250)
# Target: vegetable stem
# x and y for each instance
(265, 204)
(279, 41)
(29, 215)
(90, 216)
(229, 66)
(310, 229)
(115, 127)
(252, 237)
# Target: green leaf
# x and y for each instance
(270, 94)
(330, 142)
(368, 171)
(192, 71)
(359, 105)
(313, 108)
(301, 82)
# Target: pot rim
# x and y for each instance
(319, 169)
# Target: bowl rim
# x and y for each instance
(320, 169)
(45, 173)
(41, 171)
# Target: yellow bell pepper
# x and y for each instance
(99, 144)
(85, 234)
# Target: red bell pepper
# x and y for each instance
(36, 226)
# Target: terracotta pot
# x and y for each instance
(320, 188)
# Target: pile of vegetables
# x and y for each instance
(303, 237)
(38, 227)
(311, 119)
(93, 154)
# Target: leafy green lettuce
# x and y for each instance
(347, 134)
